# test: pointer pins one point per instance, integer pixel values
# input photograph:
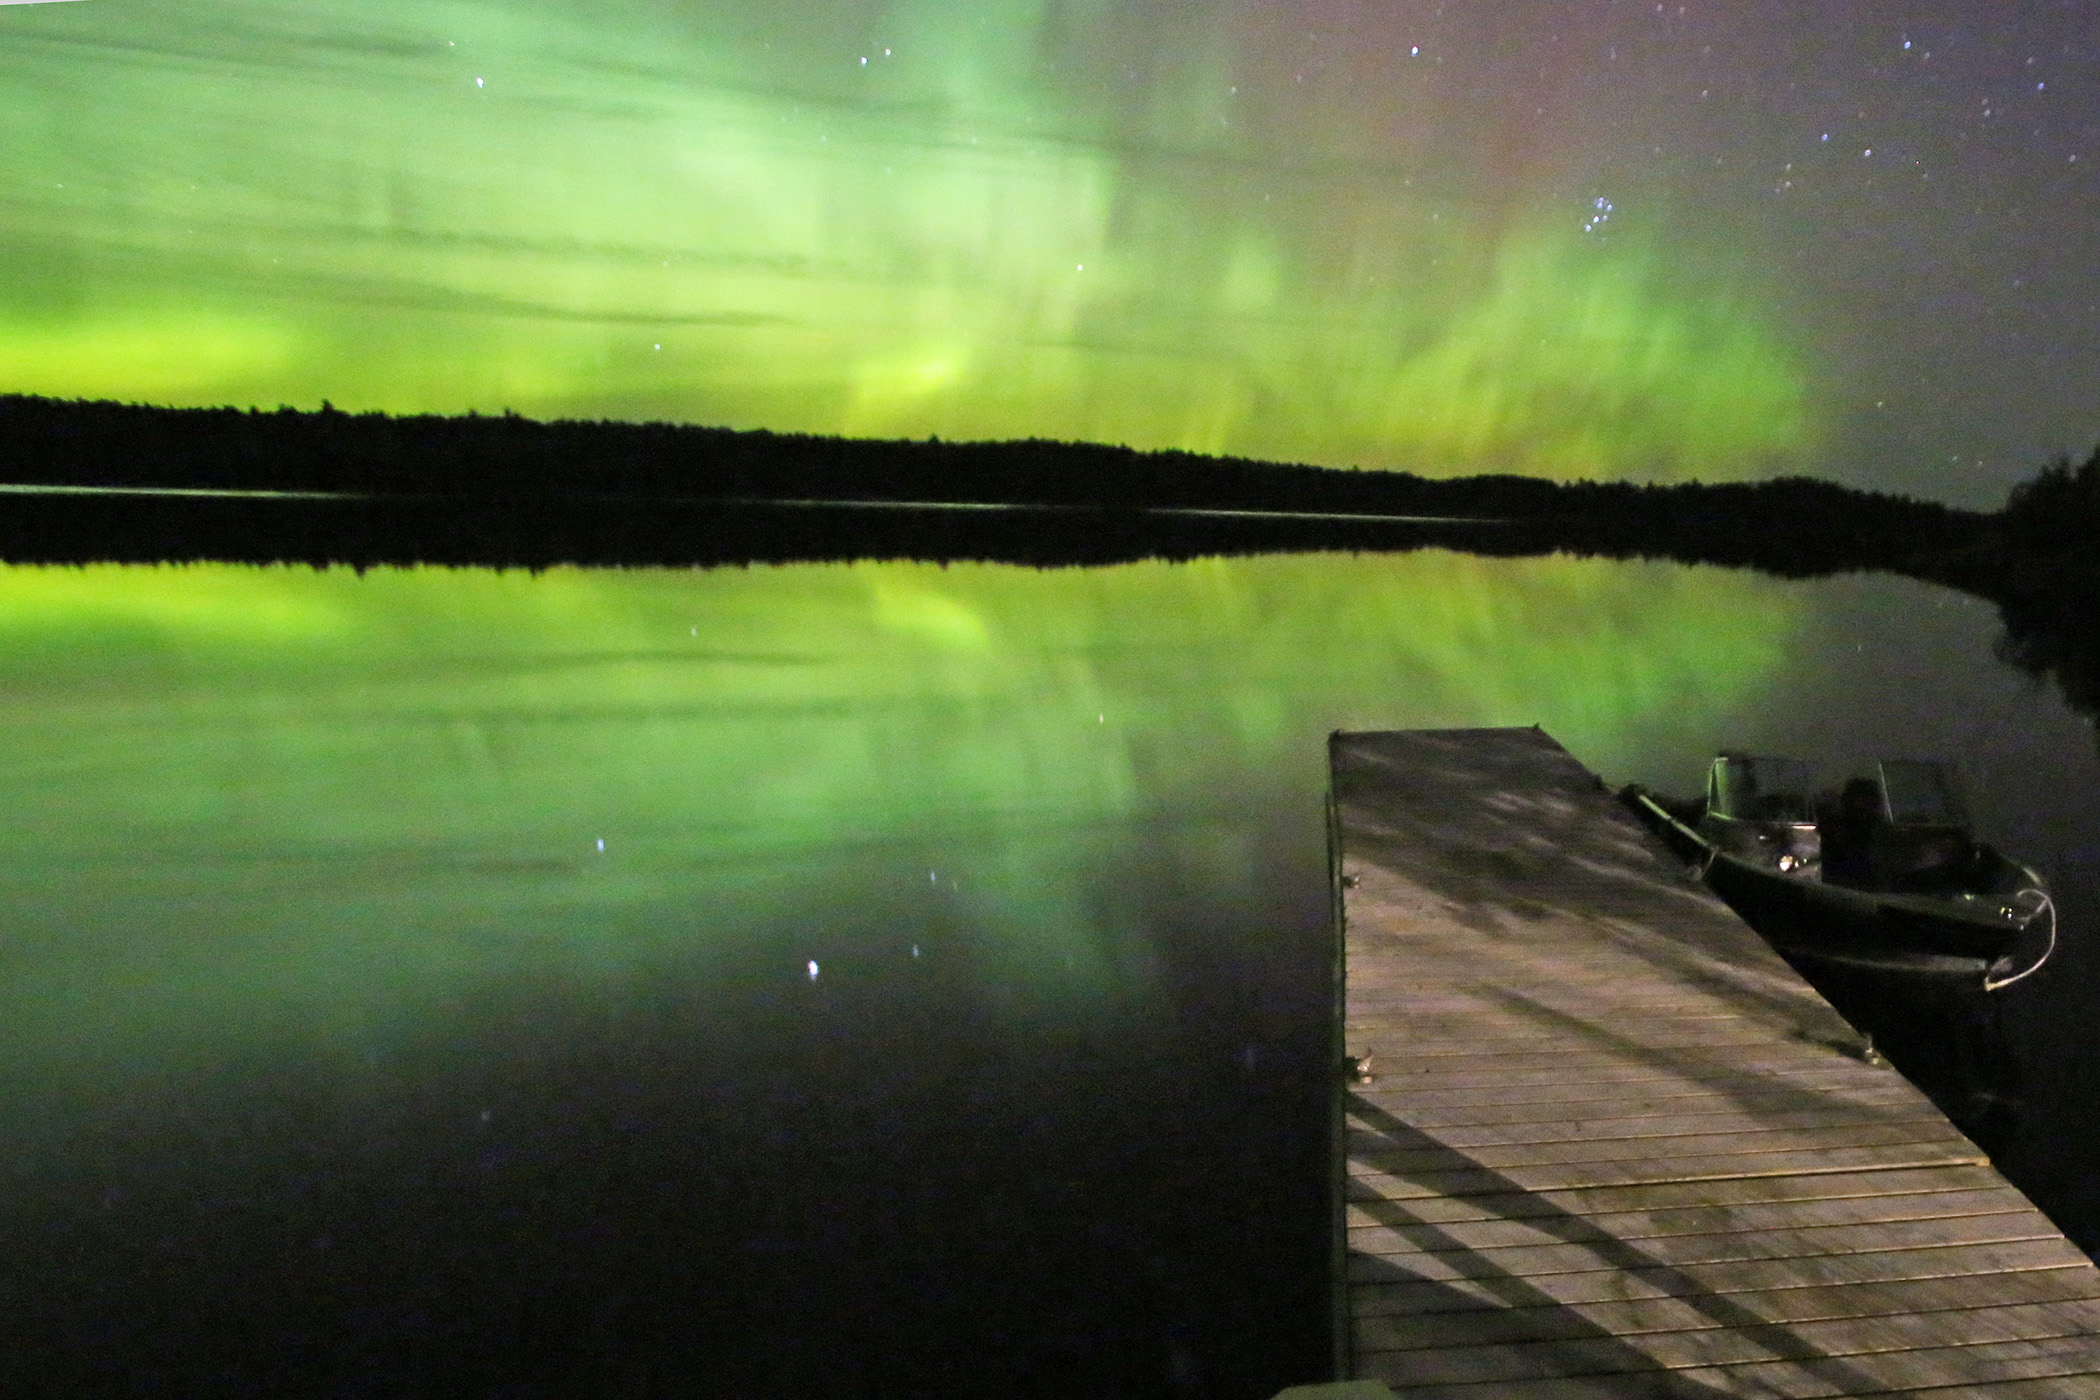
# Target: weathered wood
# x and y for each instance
(1494, 1149)
(1420, 1302)
(1471, 1254)
(1514, 1104)
(1805, 1159)
(1604, 1280)
(1613, 1146)
(1687, 1220)
(1803, 1371)
(1469, 1346)
(1717, 1123)
(1657, 1197)
(2070, 1384)
(1856, 1320)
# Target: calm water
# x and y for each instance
(856, 981)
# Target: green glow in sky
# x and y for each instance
(1138, 224)
(995, 226)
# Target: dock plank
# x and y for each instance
(1824, 1185)
(1683, 1220)
(1803, 1374)
(1715, 1124)
(1479, 1251)
(1612, 1145)
(1594, 1279)
(1419, 1302)
(1801, 1160)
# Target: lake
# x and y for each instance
(859, 980)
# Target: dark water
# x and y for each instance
(942, 1013)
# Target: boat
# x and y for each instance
(1883, 872)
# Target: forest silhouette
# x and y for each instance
(86, 482)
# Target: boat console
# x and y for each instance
(1902, 827)
(1762, 809)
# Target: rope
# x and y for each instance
(2047, 906)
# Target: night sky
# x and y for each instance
(1580, 239)
(370, 826)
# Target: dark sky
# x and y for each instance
(1623, 239)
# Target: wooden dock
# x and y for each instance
(1615, 1147)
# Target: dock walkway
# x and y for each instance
(1614, 1147)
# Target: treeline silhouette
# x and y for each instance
(2044, 575)
(509, 491)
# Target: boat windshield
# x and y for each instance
(1921, 794)
(1762, 789)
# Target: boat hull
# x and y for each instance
(1947, 934)
(1820, 917)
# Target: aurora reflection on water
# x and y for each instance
(709, 724)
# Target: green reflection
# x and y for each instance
(1020, 220)
(276, 797)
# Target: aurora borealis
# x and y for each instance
(426, 981)
(1613, 239)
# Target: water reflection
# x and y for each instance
(687, 982)
(502, 751)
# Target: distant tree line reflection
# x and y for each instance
(512, 492)
(2045, 579)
